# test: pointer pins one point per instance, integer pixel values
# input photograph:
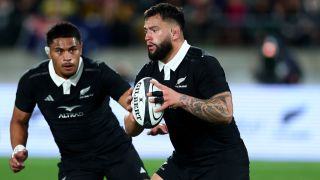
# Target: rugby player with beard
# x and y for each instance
(196, 101)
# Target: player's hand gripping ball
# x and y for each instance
(142, 110)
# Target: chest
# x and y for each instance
(83, 98)
(183, 80)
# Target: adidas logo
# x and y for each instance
(49, 98)
(142, 170)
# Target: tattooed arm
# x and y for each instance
(217, 109)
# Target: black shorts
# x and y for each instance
(220, 171)
(130, 167)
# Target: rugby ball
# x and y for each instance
(142, 109)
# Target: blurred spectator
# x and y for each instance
(235, 13)
(6, 13)
(278, 64)
(259, 21)
(202, 17)
(12, 16)
(105, 23)
(36, 24)
(293, 24)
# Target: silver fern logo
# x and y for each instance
(179, 83)
(84, 93)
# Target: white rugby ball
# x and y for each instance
(142, 109)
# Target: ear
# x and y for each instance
(175, 32)
(47, 50)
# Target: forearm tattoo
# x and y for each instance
(213, 110)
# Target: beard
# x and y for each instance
(162, 50)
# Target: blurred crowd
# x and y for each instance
(104, 23)
(270, 25)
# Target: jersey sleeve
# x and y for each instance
(212, 78)
(25, 99)
(114, 84)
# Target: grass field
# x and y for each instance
(41, 168)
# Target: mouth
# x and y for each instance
(151, 47)
(68, 66)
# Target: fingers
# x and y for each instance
(165, 96)
(157, 93)
(156, 83)
(158, 100)
(160, 129)
(128, 100)
(15, 165)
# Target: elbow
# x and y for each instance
(227, 120)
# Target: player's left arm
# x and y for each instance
(217, 109)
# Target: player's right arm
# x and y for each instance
(18, 135)
(131, 126)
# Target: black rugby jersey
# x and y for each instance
(195, 140)
(82, 122)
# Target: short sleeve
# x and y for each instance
(212, 78)
(25, 99)
(112, 82)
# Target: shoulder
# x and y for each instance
(90, 65)
(199, 57)
(94, 66)
(38, 70)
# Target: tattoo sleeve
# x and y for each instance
(217, 109)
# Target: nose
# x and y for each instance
(67, 56)
(147, 36)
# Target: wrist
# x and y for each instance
(18, 148)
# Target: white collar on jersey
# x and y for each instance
(73, 80)
(175, 61)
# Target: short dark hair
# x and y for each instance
(166, 11)
(63, 29)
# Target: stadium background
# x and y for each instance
(278, 119)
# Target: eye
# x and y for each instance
(73, 50)
(153, 30)
(59, 51)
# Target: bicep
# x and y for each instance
(20, 116)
